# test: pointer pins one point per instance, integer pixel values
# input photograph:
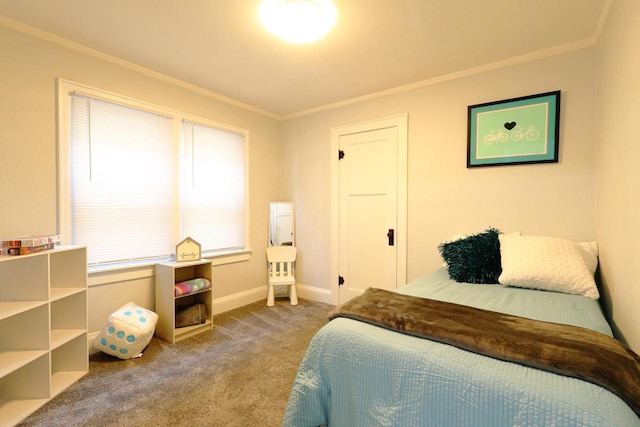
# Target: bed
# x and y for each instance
(360, 374)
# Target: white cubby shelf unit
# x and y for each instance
(167, 275)
(43, 328)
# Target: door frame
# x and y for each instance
(400, 122)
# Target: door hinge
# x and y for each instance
(340, 154)
(340, 280)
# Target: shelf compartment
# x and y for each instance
(60, 337)
(69, 313)
(13, 360)
(68, 268)
(68, 364)
(31, 381)
(24, 390)
(59, 293)
(9, 309)
(201, 297)
(24, 278)
(186, 271)
(27, 330)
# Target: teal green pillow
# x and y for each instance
(473, 259)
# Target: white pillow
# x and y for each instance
(549, 263)
(590, 255)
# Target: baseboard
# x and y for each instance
(240, 299)
(314, 294)
(220, 305)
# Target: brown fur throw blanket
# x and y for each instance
(563, 349)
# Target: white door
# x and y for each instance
(368, 211)
(371, 241)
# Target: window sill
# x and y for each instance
(102, 275)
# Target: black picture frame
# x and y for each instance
(514, 131)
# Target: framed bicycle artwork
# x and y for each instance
(514, 131)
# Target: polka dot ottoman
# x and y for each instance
(127, 331)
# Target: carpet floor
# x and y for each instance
(239, 374)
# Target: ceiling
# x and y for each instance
(377, 46)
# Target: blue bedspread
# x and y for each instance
(355, 374)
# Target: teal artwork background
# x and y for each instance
(529, 117)
(514, 131)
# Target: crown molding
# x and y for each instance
(68, 44)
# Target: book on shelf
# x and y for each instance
(30, 241)
(25, 250)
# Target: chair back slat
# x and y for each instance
(278, 269)
(281, 260)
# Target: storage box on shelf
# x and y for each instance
(43, 328)
(167, 275)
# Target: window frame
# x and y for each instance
(64, 90)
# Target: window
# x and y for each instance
(136, 179)
(214, 182)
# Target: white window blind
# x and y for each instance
(123, 181)
(213, 187)
(135, 179)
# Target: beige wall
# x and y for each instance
(598, 151)
(617, 168)
(444, 197)
(29, 68)
(591, 194)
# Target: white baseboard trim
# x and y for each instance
(314, 294)
(230, 302)
(240, 299)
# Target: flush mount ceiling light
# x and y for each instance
(298, 21)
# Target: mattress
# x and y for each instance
(356, 374)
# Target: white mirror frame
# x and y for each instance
(281, 224)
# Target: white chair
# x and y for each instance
(281, 261)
